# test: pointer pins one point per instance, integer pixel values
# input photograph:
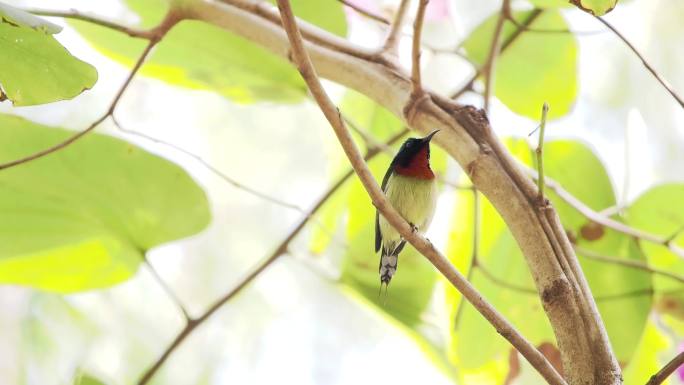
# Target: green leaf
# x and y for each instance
(595, 7)
(36, 69)
(645, 362)
(197, 55)
(83, 217)
(15, 16)
(532, 68)
(660, 211)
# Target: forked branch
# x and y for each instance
(303, 63)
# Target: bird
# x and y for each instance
(410, 187)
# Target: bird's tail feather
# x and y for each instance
(389, 260)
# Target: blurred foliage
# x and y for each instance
(532, 68)
(201, 56)
(36, 68)
(595, 7)
(83, 217)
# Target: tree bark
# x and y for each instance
(467, 136)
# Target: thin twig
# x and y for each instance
(634, 264)
(392, 41)
(500, 282)
(489, 67)
(280, 250)
(92, 126)
(365, 12)
(301, 58)
(515, 22)
(540, 154)
(415, 53)
(475, 251)
(167, 289)
(594, 216)
(667, 370)
(211, 168)
(468, 85)
(76, 15)
(648, 66)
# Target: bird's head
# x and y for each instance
(413, 158)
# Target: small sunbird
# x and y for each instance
(410, 187)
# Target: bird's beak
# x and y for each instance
(429, 137)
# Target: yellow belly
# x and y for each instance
(414, 199)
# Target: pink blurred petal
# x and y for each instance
(680, 370)
(437, 10)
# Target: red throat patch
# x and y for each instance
(419, 167)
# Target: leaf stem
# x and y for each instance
(540, 154)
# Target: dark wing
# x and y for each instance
(378, 236)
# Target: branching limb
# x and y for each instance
(648, 66)
(305, 67)
(392, 41)
(667, 370)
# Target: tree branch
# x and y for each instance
(468, 138)
(417, 34)
(648, 66)
(392, 41)
(667, 370)
(489, 66)
(305, 67)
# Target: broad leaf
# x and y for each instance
(36, 68)
(197, 55)
(532, 68)
(84, 216)
(660, 211)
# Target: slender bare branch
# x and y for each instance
(305, 67)
(641, 57)
(667, 370)
(594, 216)
(93, 125)
(168, 290)
(365, 12)
(415, 53)
(392, 41)
(520, 28)
(540, 153)
(489, 67)
(76, 15)
(634, 264)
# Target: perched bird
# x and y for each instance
(409, 185)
